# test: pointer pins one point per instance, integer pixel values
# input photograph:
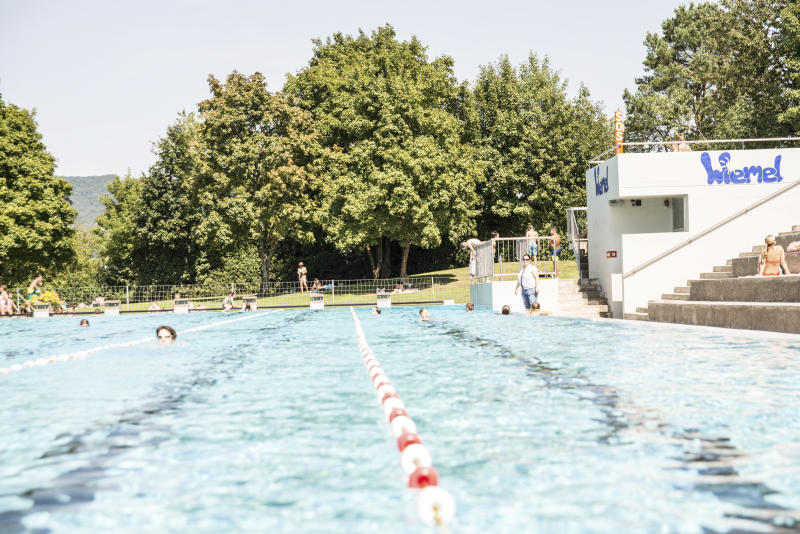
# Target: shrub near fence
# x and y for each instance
(428, 289)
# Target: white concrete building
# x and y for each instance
(656, 220)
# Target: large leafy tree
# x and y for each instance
(791, 44)
(535, 143)
(257, 187)
(117, 231)
(36, 217)
(166, 243)
(398, 167)
(715, 71)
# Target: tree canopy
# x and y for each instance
(257, 186)
(397, 167)
(36, 222)
(716, 71)
(535, 143)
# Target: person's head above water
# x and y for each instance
(376, 310)
(470, 306)
(423, 314)
(506, 310)
(166, 334)
(84, 322)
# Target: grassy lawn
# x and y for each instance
(449, 284)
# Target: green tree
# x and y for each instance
(716, 71)
(85, 269)
(36, 217)
(398, 167)
(166, 244)
(791, 44)
(535, 143)
(116, 229)
(257, 187)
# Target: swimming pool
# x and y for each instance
(271, 424)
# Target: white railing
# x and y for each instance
(577, 237)
(501, 258)
(596, 160)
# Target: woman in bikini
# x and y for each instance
(4, 301)
(301, 276)
(772, 258)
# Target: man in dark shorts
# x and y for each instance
(555, 245)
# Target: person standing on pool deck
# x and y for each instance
(302, 273)
(533, 245)
(555, 244)
(473, 257)
(528, 280)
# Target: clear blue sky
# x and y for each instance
(107, 78)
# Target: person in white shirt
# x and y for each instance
(528, 280)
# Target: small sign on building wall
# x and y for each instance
(611, 253)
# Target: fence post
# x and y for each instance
(433, 289)
(127, 299)
(333, 292)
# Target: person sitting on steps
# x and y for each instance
(772, 259)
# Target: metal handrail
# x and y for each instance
(712, 228)
(597, 159)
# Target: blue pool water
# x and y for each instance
(271, 424)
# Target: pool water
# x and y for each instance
(271, 424)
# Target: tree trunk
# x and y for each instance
(266, 251)
(404, 261)
(371, 262)
(377, 262)
(387, 259)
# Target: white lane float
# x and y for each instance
(435, 506)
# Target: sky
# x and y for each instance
(107, 78)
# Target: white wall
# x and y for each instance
(639, 234)
(498, 294)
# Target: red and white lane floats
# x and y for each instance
(80, 355)
(435, 506)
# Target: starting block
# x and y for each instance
(384, 300)
(316, 301)
(180, 306)
(41, 310)
(111, 307)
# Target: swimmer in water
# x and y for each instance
(84, 322)
(166, 335)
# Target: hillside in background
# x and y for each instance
(86, 192)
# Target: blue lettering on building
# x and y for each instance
(600, 183)
(740, 176)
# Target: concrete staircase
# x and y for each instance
(718, 298)
(582, 298)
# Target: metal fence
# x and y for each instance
(411, 290)
(501, 258)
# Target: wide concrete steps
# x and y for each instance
(729, 296)
(581, 298)
(771, 316)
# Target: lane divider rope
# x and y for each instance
(435, 506)
(80, 355)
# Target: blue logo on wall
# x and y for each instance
(740, 176)
(600, 183)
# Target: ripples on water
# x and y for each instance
(271, 424)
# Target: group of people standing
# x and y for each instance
(9, 307)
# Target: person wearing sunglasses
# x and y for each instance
(528, 280)
(166, 335)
